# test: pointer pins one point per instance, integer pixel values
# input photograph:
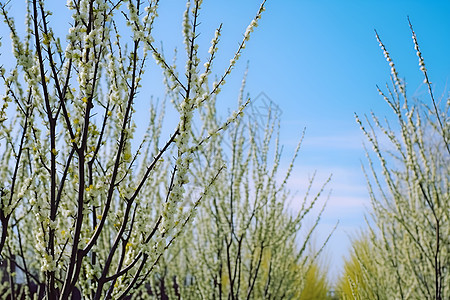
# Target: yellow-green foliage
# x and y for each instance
(316, 284)
(359, 279)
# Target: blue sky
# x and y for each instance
(319, 61)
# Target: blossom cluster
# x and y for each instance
(394, 72)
